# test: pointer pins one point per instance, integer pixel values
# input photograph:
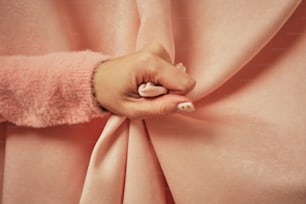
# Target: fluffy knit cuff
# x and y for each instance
(53, 89)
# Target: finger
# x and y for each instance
(151, 90)
(181, 67)
(163, 105)
(159, 50)
(173, 79)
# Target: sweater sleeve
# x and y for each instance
(48, 90)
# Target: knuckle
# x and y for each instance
(191, 83)
(188, 84)
(164, 110)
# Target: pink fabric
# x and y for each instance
(244, 144)
(47, 90)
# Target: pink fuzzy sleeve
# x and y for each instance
(48, 90)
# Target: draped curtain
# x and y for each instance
(246, 141)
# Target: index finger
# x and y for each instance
(173, 79)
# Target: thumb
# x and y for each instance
(162, 105)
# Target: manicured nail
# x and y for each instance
(148, 84)
(181, 67)
(186, 107)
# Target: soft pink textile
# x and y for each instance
(47, 90)
(246, 142)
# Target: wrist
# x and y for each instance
(94, 89)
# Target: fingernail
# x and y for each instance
(181, 67)
(186, 107)
(149, 84)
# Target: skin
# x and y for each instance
(116, 82)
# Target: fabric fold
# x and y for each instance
(217, 54)
(245, 141)
(144, 181)
(220, 38)
(104, 182)
(242, 144)
(155, 24)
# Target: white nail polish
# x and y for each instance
(181, 67)
(149, 84)
(186, 107)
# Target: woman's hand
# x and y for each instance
(116, 84)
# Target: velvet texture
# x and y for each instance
(245, 143)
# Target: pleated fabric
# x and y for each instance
(245, 143)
